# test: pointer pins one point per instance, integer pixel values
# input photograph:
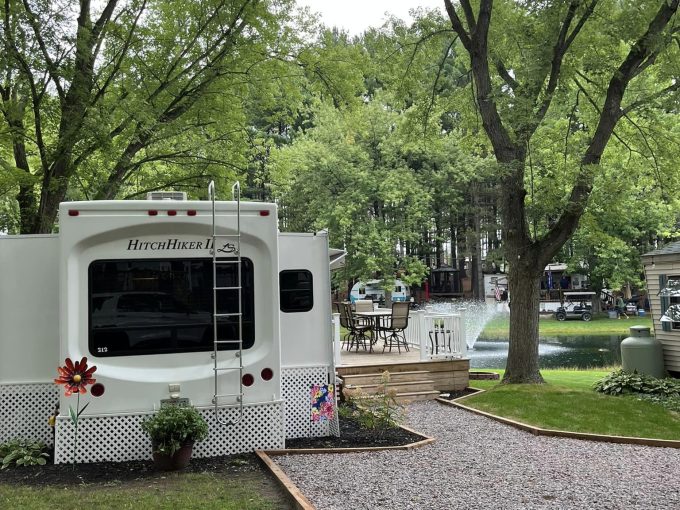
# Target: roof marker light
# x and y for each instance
(172, 213)
(153, 212)
(191, 212)
(264, 212)
(73, 212)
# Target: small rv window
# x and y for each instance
(165, 306)
(296, 291)
(397, 288)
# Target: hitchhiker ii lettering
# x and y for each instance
(177, 244)
(169, 244)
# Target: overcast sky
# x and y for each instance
(355, 16)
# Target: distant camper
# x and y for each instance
(373, 290)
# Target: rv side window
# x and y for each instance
(151, 306)
(296, 290)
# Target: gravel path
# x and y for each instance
(477, 463)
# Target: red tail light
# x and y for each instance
(248, 379)
(267, 374)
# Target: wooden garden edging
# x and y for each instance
(538, 431)
(294, 493)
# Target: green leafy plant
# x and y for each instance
(23, 452)
(378, 411)
(621, 382)
(173, 426)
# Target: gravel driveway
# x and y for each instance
(477, 463)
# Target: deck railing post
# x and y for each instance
(422, 335)
(337, 346)
(461, 332)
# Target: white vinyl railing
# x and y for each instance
(337, 345)
(437, 335)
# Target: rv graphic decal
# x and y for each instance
(177, 244)
(228, 248)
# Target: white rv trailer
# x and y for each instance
(129, 284)
(373, 289)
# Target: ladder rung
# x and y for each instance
(226, 235)
(226, 288)
(225, 369)
(225, 262)
(227, 341)
(235, 314)
(228, 395)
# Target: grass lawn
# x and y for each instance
(172, 491)
(600, 325)
(568, 402)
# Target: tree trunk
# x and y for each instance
(522, 365)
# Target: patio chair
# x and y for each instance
(357, 330)
(393, 331)
(363, 305)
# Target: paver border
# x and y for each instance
(294, 493)
(538, 431)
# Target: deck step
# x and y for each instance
(399, 388)
(415, 396)
(376, 377)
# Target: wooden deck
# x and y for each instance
(412, 378)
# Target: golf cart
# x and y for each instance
(576, 305)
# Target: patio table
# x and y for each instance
(375, 316)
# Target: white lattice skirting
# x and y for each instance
(25, 410)
(296, 384)
(120, 438)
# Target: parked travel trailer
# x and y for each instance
(195, 301)
(374, 290)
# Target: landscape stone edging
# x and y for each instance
(294, 493)
(538, 431)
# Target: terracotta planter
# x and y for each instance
(179, 460)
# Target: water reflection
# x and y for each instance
(591, 351)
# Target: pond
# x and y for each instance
(592, 351)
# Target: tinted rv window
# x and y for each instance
(296, 294)
(164, 306)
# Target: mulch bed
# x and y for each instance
(351, 436)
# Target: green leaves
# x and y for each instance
(621, 382)
(173, 425)
(23, 452)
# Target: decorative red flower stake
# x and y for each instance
(75, 378)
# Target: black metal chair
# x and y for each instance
(357, 330)
(393, 332)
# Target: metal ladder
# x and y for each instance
(236, 194)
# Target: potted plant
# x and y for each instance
(173, 431)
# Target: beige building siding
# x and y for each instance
(668, 265)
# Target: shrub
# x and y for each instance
(173, 426)
(621, 382)
(379, 411)
(23, 452)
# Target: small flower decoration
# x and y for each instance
(75, 377)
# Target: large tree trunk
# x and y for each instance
(522, 365)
